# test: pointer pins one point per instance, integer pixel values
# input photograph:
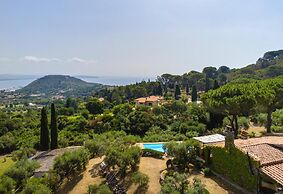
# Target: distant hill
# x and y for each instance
(270, 65)
(60, 84)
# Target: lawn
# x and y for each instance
(5, 163)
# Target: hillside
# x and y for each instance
(60, 84)
(270, 65)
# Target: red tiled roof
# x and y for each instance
(274, 171)
(275, 140)
(264, 153)
(270, 158)
(149, 99)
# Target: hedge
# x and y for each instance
(232, 164)
(152, 153)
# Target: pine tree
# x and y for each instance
(207, 84)
(159, 90)
(53, 126)
(194, 94)
(44, 133)
(215, 84)
(177, 92)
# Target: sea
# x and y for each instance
(15, 82)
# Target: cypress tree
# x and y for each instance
(194, 94)
(187, 89)
(44, 133)
(177, 92)
(53, 126)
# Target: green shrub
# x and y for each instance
(176, 183)
(277, 129)
(7, 185)
(243, 122)
(96, 148)
(141, 180)
(71, 162)
(252, 134)
(123, 157)
(21, 171)
(35, 186)
(207, 172)
(99, 189)
(23, 153)
(152, 153)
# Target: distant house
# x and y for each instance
(149, 101)
(46, 159)
(101, 99)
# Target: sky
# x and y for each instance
(135, 37)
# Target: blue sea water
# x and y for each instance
(154, 146)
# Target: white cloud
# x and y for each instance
(80, 60)
(35, 59)
(39, 59)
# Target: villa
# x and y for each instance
(267, 151)
(149, 101)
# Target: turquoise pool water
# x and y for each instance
(154, 146)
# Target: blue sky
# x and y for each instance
(135, 38)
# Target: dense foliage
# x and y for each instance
(71, 163)
(233, 164)
(17, 176)
(177, 183)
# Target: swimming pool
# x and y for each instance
(154, 146)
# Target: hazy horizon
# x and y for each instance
(135, 38)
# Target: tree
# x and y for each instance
(194, 94)
(53, 126)
(270, 97)
(223, 69)
(183, 153)
(35, 186)
(232, 100)
(159, 90)
(187, 89)
(210, 72)
(177, 92)
(71, 163)
(94, 106)
(141, 180)
(44, 133)
(215, 84)
(71, 103)
(7, 185)
(99, 189)
(207, 84)
(178, 183)
(21, 171)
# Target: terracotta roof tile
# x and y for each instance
(275, 140)
(274, 171)
(264, 153)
